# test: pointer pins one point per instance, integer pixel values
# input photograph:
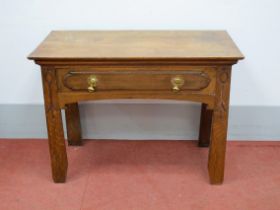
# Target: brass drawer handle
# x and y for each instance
(92, 83)
(177, 82)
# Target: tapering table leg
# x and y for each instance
(205, 126)
(73, 124)
(217, 151)
(54, 124)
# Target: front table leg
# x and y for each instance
(217, 151)
(54, 124)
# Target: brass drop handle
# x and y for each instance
(92, 83)
(177, 82)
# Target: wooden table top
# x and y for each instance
(91, 45)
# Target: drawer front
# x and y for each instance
(125, 80)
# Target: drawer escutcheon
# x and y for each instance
(177, 83)
(92, 83)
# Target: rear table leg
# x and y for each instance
(205, 126)
(73, 124)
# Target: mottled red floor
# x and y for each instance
(139, 175)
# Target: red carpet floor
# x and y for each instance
(139, 175)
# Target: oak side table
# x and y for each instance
(176, 65)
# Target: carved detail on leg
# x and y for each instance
(216, 161)
(205, 126)
(54, 124)
(73, 124)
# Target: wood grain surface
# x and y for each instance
(82, 45)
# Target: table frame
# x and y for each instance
(213, 125)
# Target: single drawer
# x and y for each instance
(123, 80)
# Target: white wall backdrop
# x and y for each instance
(253, 24)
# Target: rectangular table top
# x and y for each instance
(91, 45)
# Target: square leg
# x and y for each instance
(73, 124)
(205, 126)
(56, 139)
(217, 151)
